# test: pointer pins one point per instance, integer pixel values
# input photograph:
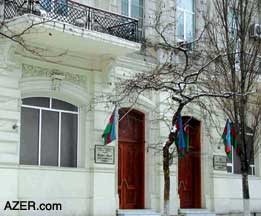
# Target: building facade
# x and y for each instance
(52, 114)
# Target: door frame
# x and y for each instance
(142, 115)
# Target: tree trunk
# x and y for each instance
(245, 188)
(166, 179)
(166, 157)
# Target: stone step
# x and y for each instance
(137, 212)
(196, 212)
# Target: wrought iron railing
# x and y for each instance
(76, 14)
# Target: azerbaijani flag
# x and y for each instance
(109, 133)
(234, 139)
(183, 137)
(227, 139)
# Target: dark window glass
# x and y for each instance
(185, 20)
(250, 155)
(29, 136)
(125, 7)
(237, 163)
(61, 105)
(69, 140)
(61, 7)
(136, 8)
(46, 5)
(229, 169)
(49, 146)
(50, 134)
(186, 4)
(37, 101)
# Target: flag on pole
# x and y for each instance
(109, 133)
(227, 139)
(180, 142)
(234, 139)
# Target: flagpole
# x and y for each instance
(125, 114)
(116, 152)
(116, 120)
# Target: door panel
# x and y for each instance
(131, 162)
(185, 182)
(130, 176)
(189, 171)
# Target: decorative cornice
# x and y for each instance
(36, 71)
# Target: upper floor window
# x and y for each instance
(132, 8)
(49, 132)
(58, 7)
(185, 20)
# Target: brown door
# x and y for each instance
(189, 173)
(131, 161)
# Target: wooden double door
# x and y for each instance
(189, 170)
(131, 160)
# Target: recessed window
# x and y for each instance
(185, 20)
(234, 164)
(49, 132)
(132, 8)
(59, 7)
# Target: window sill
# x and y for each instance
(49, 168)
(233, 176)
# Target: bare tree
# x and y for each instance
(9, 11)
(179, 74)
(236, 71)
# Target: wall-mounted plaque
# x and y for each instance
(104, 154)
(220, 162)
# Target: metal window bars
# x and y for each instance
(76, 14)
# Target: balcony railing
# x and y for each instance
(76, 14)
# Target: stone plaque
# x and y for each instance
(220, 162)
(104, 154)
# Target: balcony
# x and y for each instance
(105, 32)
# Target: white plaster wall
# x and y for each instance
(46, 185)
(228, 193)
(81, 191)
(9, 106)
(92, 188)
(109, 5)
(104, 196)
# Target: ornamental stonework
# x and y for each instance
(36, 71)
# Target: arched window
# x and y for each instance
(49, 132)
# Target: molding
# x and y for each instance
(107, 168)
(19, 167)
(224, 175)
(75, 69)
(7, 61)
(133, 63)
(30, 71)
(79, 63)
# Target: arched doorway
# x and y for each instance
(131, 159)
(189, 168)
